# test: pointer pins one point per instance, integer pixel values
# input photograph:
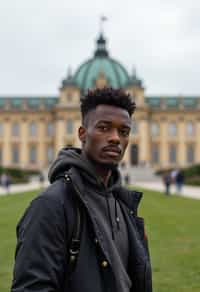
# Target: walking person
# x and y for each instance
(179, 181)
(82, 234)
(167, 182)
(41, 180)
(5, 182)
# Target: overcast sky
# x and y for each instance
(40, 39)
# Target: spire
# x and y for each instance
(101, 50)
(69, 78)
(134, 79)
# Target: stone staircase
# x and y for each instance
(139, 174)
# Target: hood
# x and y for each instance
(73, 157)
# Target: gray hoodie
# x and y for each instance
(105, 206)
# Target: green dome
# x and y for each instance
(115, 74)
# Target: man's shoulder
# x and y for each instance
(56, 194)
(52, 192)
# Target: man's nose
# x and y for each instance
(114, 136)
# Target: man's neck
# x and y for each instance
(104, 174)
(102, 171)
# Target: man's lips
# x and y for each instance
(112, 149)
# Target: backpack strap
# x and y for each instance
(74, 245)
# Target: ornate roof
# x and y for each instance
(32, 102)
(101, 64)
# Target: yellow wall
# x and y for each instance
(68, 108)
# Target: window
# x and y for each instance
(155, 129)
(50, 129)
(172, 130)
(33, 154)
(15, 129)
(33, 129)
(190, 153)
(15, 154)
(172, 153)
(1, 129)
(69, 97)
(190, 129)
(50, 154)
(155, 153)
(70, 127)
(134, 128)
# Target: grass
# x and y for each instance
(172, 227)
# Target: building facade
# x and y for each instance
(165, 130)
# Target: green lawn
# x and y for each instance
(172, 227)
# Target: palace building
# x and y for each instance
(165, 131)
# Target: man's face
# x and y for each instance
(105, 137)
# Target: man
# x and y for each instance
(111, 253)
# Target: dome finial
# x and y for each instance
(103, 18)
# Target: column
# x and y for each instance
(181, 149)
(6, 155)
(60, 133)
(24, 155)
(197, 146)
(41, 147)
(144, 141)
(164, 157)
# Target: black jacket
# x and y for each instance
(44, 234)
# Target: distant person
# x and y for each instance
(123, 165)
(41, 179)
(173, 175)
(5, 182)
(179, 181)
(127, 179)
(167, 182)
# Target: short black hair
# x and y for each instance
(107, 96)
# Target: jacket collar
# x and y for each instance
(131, 198)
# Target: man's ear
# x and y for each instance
(82, 134)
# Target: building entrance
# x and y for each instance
(134, 154)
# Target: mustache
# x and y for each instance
(112, 148)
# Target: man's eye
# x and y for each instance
(103, 128)
(124, 132)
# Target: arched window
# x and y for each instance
(155, 129)
(33, 129)
(172, 129)
(134, 128)
(15, 154)
(69, 126)
(172, 154)
(15, 129)
(155, 153)
(190, 153)
(190, 129)
(33, 154)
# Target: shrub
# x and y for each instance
(18, 175)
